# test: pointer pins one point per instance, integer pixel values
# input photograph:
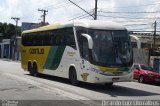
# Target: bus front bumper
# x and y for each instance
(98, 78)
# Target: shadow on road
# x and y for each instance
(114, 91)
(117, 90)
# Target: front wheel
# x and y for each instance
(109, 84)
(141, 79)
(73, 76)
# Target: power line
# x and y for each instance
(78, 17)
(84, 17)
(65, 5)
(57, 3)
(133, 21)
(143, 5)
(56, 6)
(81, 8)
(140, 27)
(145, 28)
(81, 16)
(135, 24)
(61, 5)
(130, 17)
(131, 12)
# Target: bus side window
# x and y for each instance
(34, 38)
(70, 39)
(47, 38)
(57, 38)
(30, 39)
(62, 37)
(24, 39)
(53, 38)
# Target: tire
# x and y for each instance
(108, 85)
(35, 70)
(73, 76)
(141, 79)
(30, 69)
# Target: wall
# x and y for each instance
(140, 56)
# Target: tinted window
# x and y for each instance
(110, 47)
(50, 38)
(146, 68)
(136, 66)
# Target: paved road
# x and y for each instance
(19, 85)
(17, 88)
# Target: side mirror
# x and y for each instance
(90, 41)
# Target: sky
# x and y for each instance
(134, 14)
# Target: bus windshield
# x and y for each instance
(110, 47)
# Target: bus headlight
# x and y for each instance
(109, 73)
(101, 72)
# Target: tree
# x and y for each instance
(8, 30)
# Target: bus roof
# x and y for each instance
(93, 24)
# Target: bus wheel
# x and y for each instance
(35, 70)
(73, 76)
(30, 69)
(109, 84)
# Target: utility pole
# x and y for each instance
(44, 15)
(16, 19)
(95, 14)
(154, 35)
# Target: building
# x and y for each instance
(147, 54)
(5, 49)
(27, 25)
(9, 50)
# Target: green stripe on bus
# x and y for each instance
(51, 56)
(58, 57)
(54, 57)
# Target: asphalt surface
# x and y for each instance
(17, 84)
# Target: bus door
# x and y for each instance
(85, 54)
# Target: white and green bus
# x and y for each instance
(91, 51)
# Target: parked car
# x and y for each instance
(145, 74)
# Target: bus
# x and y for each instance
(92, 51)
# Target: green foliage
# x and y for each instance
(8, 30)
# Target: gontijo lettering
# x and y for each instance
(36, 51)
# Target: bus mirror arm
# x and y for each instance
(90, 41)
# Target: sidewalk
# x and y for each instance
(10, 60)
